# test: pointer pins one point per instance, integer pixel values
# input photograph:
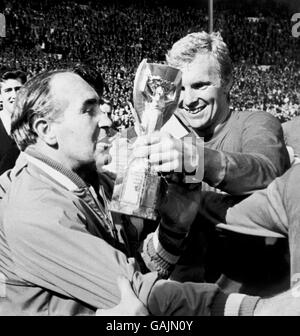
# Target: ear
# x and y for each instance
(45, 131)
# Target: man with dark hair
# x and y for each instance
(10, 83)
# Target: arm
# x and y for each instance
(52, 249)
(275, 209)
(285, 304)
(203, 299)
(263, 213)
(171, 298)
(178, 209)
(263, 157)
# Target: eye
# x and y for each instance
(89, 110)
(201, 86)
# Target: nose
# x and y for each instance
(104, 121)
(13, 94)
(189, 98)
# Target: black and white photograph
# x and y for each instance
(149, 160)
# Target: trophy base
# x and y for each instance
(137, 193)
(127, 209)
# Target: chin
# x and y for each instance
(197, 124)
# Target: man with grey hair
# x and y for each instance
(243, 152)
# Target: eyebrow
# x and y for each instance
(200, 83)
(12, 88)
(91, 101)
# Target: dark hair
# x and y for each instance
(6, 74)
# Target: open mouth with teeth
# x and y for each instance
(197, 110)
(196, 107)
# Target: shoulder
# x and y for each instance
(30, 190)
(254, 116)
(289, 185)
(34, 203)
(260, 123)
(291, 130)
(292, 125)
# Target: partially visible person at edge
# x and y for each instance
(243, 152)
(10, 83)
(292, 138)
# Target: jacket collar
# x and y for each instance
(56, 170)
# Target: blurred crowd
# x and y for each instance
(116, 36)
(275, 89)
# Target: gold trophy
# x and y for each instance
(156, 93)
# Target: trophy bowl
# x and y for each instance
(155, 95)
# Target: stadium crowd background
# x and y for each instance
(116, 35)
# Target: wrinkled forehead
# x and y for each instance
(69, 88)
(203, 67)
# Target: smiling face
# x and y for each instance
(203, 101)
(9, 90)
(81, 130)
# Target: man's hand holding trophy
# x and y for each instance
(137, 189)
